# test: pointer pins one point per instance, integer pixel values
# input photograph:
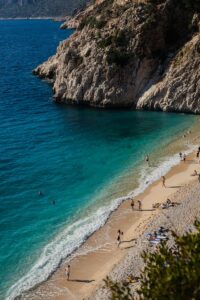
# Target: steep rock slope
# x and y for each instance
(140, 54)
(38, 8)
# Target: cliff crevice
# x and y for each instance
(124, 53)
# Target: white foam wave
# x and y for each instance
(74, 235)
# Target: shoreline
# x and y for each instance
(179, 219)
(97, 249)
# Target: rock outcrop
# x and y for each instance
(137, 54)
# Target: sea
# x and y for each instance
(64, 169)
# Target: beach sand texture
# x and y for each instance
(100, 256)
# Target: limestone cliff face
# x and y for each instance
(179, 87)
(124, 53)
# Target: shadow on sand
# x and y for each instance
(81, 280)
(174, 186)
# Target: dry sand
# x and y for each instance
(99, 256)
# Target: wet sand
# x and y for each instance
(100, 255)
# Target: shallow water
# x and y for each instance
(76, 156)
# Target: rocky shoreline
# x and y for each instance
(127, 54)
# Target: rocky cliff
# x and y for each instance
(128, 53)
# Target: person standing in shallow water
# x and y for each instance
(147, 159)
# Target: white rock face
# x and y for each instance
(123, 55)
(179, 87)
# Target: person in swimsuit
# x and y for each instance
(120, 233)
(163, 181)
(139, 205)
(132, 204)
(147, 159)
(67, 270)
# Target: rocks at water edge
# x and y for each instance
(135, 54)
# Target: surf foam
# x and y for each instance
(75, 234)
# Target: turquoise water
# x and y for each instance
(70, 154)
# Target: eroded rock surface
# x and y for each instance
(137, 54)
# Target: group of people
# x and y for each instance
(159, 235)
(167, 204)
(182, 157)
(139, 205)
(119, 232)
(195, 173)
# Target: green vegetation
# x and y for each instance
(117, 53)
(169, 273)
(92, 22)
(191, 4)
(117, 39)
(118, 57)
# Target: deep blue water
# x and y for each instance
(68, 153)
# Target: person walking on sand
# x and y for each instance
(120, 233)
(139, 205)
(180, 155)
(163, 181)
(132, 204)
(197, 155)
(199, 178)
(67, 270)
(184, 158)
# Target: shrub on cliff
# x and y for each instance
(117, 40)
(169, 273)
(118, 57)
(92, 22)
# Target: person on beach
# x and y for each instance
(163, 181)
(168, 201)
(147, 159)
(197, 155)
(194, 173)
(180, 155)
(67, 271)
(139, 205)
(184, 158)
(120, 233)
(199, 178)
(132, 204)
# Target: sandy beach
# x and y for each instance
(100, 256)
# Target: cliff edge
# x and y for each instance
(125, 53)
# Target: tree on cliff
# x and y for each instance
(170, 273)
